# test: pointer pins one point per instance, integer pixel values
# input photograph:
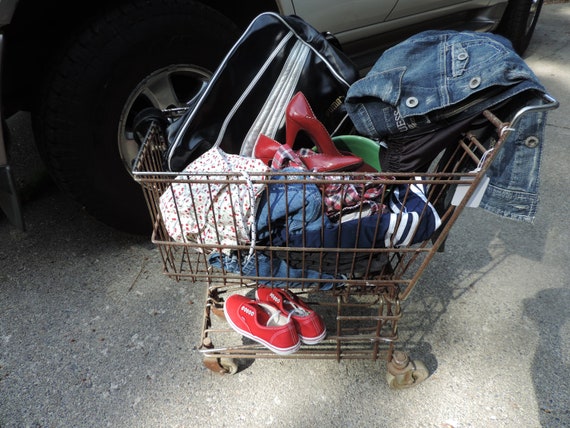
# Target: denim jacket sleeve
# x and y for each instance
(515, 172)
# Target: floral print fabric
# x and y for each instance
(213, 212)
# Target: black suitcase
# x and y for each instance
(276, 57)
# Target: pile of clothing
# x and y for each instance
(414, 102)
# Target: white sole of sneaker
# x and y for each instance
(313, 340)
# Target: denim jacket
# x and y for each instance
(437, 75)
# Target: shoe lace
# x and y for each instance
(273, 318)
(297, 311)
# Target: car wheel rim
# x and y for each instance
(532, 15)
(168, 88)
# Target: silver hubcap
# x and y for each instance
(170, 87)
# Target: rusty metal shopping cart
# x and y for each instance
(360, 297)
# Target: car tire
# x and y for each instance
(83, 126)
(519, 21)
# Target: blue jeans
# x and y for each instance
(401, 227)
(296, 207)
(262, 265)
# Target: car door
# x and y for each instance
(338, 16)
(406, 8)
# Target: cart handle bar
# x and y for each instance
(551, 104)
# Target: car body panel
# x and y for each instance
(414, 7)
(366, 27)
(340, 16)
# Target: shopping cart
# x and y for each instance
(360, 297)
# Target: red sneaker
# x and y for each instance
(263, 323)
(310, 326)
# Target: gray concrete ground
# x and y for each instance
(92, 334)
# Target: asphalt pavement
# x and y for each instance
(92, 334)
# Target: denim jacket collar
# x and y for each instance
(433, 75)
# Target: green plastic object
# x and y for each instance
(367, 149)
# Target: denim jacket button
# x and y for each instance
(531, 142)
(462, 56)
(412, 102)
(475, 82)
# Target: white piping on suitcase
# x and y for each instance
(184, 126)
(273, 111)
(230, 115)
(247, 91)
(188, 120)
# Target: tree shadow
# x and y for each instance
(550, 367)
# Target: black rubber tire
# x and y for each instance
(519, 21)
(76, 126)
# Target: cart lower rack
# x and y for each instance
(353, 268)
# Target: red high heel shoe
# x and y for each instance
(300, 117)
(265, 149)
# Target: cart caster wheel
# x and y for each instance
(404, 373)
(221, 365)
(219, 312)
(229, 365)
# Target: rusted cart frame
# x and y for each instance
(363, 308)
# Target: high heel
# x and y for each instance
(322, 162)
(300, 117)
(265, 149)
